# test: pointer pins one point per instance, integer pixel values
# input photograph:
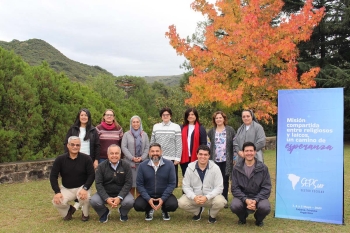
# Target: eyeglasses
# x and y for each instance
(73, 145)
(108, 115)
(165, 115)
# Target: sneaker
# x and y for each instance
(259, 224)
(70, 212)
(84, 218)
(166, 216)
(211, 220)
(226, 206)
(122, 218)
(199, 215)
(104, 217)
(149, 215)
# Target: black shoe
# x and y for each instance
(104, 217)
(84, 218)
(122, 218)
(241, 222)
(198, 216)
(70, 212)
(149, 215)
(211, 220)
(259, 224)
(166, 216)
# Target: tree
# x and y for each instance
(245, 58)
(329, 48)
(38, 106)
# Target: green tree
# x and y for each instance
(38, 106)
(329, 48)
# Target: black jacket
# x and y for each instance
(113, 183)
(94, 141)
(257, 187)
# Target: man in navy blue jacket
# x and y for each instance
(155, 182)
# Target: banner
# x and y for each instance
(310, 155)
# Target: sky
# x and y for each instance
(125, 37)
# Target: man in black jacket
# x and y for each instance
(77, 172)
(251, 187)
(113, 183)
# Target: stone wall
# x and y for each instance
(25, 171)
(270, 143)
(40, 169)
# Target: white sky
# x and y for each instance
(125, 37)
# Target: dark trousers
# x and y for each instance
(239, 208)
(170, 205)
(222, 166)
(183, 168)
(176, 171)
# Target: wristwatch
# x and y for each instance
(85, 188)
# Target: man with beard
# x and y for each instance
(155, 182)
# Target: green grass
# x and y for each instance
(26, 207)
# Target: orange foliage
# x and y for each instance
(245, 67)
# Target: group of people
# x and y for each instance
(131, 171)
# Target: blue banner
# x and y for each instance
(310, 155)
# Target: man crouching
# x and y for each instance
(78, 174)
(251, 187)
(113, 184)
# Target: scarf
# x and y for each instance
(107, 126)
(185, 155)
(138, 141)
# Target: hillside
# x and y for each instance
(172, 80)
(35, 51)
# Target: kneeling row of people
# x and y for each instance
(202, 185)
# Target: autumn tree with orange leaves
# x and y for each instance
(253, 56)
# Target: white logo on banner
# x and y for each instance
(306, 183)
(294, 179)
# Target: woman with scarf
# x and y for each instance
(135, 146)
(193, 134)
(221, 147)
(110, 132)
(249, 131)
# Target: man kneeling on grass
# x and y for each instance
(113, 183)
(251, 187)
(202, 185)
(78, 174)
(155, 182)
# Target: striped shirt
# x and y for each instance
(108, 137)
(169, 137)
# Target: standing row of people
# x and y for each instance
(179, 145)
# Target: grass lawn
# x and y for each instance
(26, 207)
